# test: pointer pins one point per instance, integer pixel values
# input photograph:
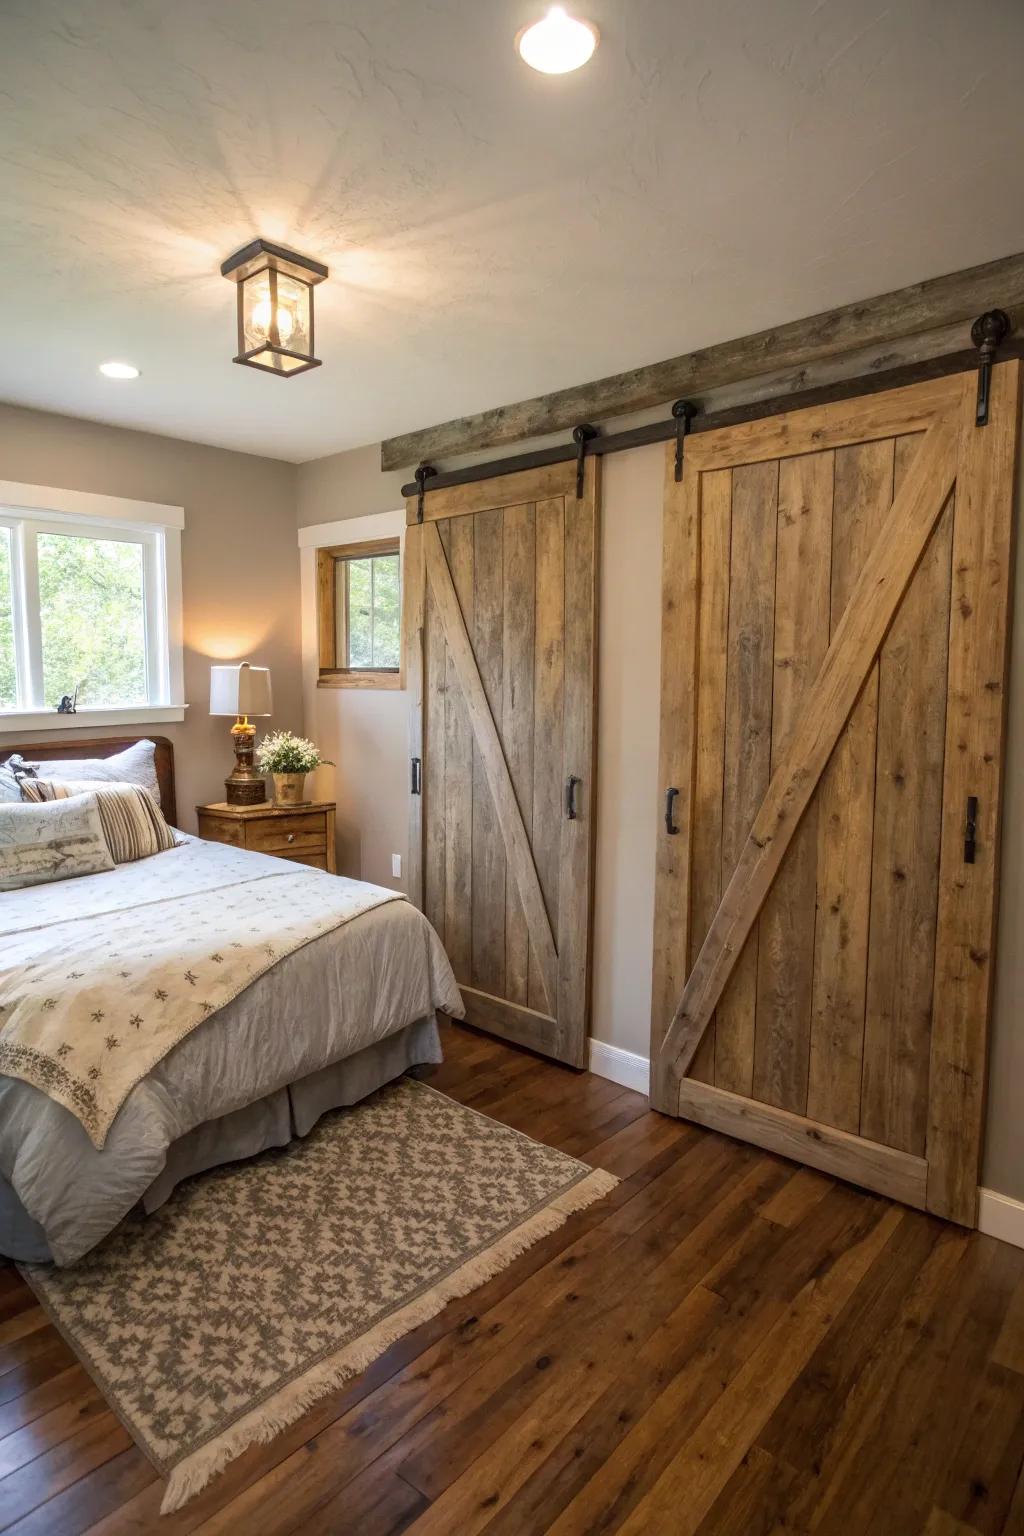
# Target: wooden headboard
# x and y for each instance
(71, 747)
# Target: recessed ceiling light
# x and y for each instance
(557, 44)
(119, 370)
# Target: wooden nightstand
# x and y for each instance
(302, 833)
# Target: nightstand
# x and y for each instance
(302, 833)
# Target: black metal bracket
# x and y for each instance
(581, 436)
(988, 332)
(683, 411)
(971, 829)
(422, 475)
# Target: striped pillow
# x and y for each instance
(133, 824)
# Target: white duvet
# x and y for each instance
(342, 992)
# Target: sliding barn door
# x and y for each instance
(833, 663)
(500, 633)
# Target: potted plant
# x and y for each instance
(288, 759)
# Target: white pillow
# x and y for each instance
(59, 841)
(135, 765)
(133, 824)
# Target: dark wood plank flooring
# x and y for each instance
(727, 1344)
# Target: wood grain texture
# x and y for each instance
(786, 926)
(748, 739)
(548, 697)
(878, 322)
(519, 564)
(510, 490)
(413, 598)
(433, 813)
(708, 1329)
(680, 606)
(489, 867)
(494, 772)
(975, 729)
(850, 656)
(862, 495)
(457, 542)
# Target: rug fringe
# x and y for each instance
(192, 1475)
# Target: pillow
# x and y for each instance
(135, 765)
(11, 773)
(40, 843)
(132, 822)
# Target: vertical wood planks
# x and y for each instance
(579, 758)
(785, 944)
(414, 584)
(748, 733)
(459, 786)
(517, 718)
(862, 496)
(679, 690)
(709, 769)
(488, 847)
(434, 788)
(975, 727)
(904, 881)
(548, 688)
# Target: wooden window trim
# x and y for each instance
(330, 674)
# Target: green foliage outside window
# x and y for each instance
(374, 613)
(92, 617)
(8, 687)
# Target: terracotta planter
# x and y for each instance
(289, 789)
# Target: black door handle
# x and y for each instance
(416, 784)
(670, 798)
(570, 796)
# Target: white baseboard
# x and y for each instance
(1001, 1216)
(619, 1066)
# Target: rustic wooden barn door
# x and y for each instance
(833, 665)
(500, 633)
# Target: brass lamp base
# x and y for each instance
(244, 786)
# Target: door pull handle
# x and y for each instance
(570, 797)
(670, 800)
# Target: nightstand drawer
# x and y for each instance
(288, 834)
(215, 829)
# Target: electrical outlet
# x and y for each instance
(396, 865)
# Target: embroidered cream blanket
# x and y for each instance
(89, 1006)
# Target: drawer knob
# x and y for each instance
(291, 837)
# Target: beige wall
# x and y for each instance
(374, 758)
(240, 569)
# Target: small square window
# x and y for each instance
(360, 615)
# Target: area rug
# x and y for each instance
(259, 1287)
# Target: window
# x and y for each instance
(84, 613)
(360, 615)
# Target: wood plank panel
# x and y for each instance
(713, 650)
(548, 691)
(748, 736)
(908, 810)
(851, 654)
(785, 943)
(862, 496)
(414, 592)
(488, 744)
(488, 969)
(676, 765)
(457, 542)
(975, 728)
(434, 790)
(579, 758)
(509, 490)
(519, 564)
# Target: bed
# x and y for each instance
(327, 1023)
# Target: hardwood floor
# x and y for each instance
(727, 1344)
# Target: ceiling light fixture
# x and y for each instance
(119, 370)
(557, 44)
(275, 307)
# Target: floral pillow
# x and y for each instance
(42, 843)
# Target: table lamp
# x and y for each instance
(242, 691)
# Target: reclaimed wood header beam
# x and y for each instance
(881, 323)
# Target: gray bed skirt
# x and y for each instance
(271, 1122)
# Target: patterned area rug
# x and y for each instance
(260, 1287)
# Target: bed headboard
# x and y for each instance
(69, 746)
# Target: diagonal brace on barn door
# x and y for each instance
(499, 780)
(873, 603)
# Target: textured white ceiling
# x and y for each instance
(491, 233)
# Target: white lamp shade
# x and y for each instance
(240, 690)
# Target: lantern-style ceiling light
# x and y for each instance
(275, 307)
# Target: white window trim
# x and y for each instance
(97, 514)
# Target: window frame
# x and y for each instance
(330, 674)
(28, 511)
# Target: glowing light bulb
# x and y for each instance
(119, 370)
(261, 320)
(557, 44)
